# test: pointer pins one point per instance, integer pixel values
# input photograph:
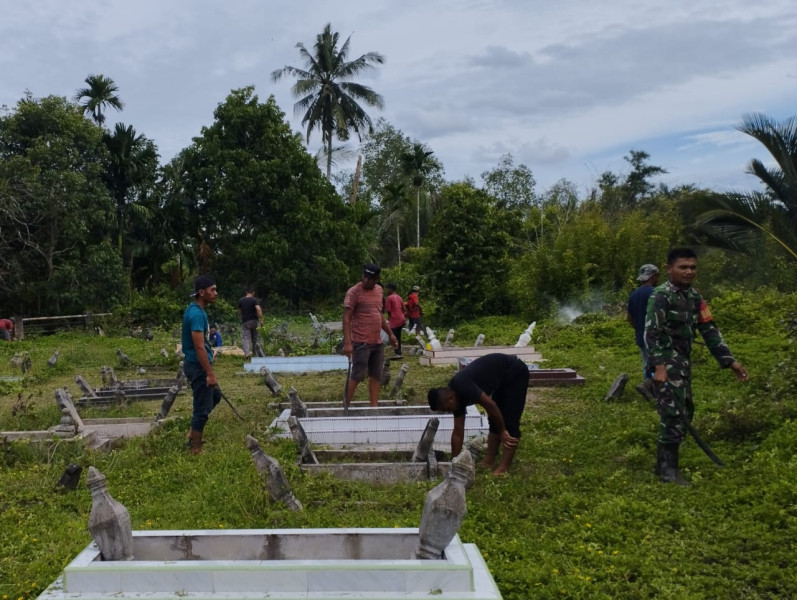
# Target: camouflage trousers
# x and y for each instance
(673, 398)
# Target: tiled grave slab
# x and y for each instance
(288, 564)
(449, 355)
(381, 427)
(298, 364)
(541, 377)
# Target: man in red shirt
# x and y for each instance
(362, 343)
(394, 306)
(6, 329)
(414, 311)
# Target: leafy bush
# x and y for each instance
(498, 331)
(159, 309)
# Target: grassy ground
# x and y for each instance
(581, 515)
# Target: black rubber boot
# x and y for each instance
(667, 464)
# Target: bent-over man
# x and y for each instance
(499, 382)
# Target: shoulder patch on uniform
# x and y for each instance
(705, 313)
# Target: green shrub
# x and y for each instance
(159, 309)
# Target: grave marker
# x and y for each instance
(298, 408)
(109, 521)
(444, 510)
(302, 441)
(276, 483)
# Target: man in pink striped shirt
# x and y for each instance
(362, 323)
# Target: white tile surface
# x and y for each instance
(260, 581)
(93, 581)
(356, 580)
(167, 581)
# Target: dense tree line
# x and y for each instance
(90, 218)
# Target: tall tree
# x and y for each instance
(467, 263)
(259, 210)
(327, 95)
(55, 212)
(417, 165)
(394, 204)
(382, 153)
(619, 193)
(131, 175)
(509, 184)
(100, 94)
(738, 219)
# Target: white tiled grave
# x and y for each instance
(398, 426)
(298, 364)
(449, 354)
(284, 564)
(377, 467)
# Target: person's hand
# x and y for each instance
(739, 371)
(212, 381)
(507, 440)
(660, 375)
(393, 340)
(348, 349)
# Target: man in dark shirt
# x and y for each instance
(499, 383)
(637, 308)
(251, 319)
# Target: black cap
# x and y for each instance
(371, 270)
(202, 282)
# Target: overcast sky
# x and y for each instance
(567, 87)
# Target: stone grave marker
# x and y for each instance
(617, 388)
(276, 483)
(109, 521)
(444, 510)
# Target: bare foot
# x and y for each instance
(501, 471)
(485, 465)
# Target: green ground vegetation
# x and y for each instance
(581, 515)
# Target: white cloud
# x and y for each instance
(566, 87)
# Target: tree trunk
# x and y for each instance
(356, 182)
(398, 243)
(329, 157)
(418, 218)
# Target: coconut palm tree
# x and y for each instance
(738, 219)
(100, 94)
(327, 95)
(417, 164)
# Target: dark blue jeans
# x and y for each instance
(205, 398)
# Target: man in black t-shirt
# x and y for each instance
(499, 383)
(251, 319)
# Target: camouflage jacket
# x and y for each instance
(673, 315)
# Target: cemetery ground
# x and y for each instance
(580, 516)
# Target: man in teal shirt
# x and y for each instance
(198, 362)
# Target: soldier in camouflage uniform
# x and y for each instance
(675, 311)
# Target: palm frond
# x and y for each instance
(739, 219)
